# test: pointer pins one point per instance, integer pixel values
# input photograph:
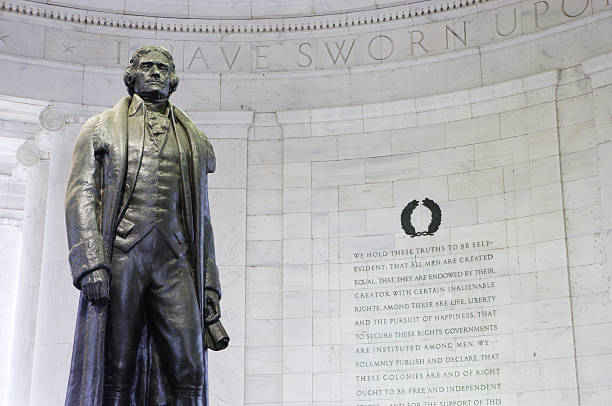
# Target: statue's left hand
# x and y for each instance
(213, 308)
(95, 286)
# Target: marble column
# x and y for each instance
(264, 281)
(33, 157)
(57, 298)
(10, 239)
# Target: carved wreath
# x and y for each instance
(436, 218)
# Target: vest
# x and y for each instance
(156, 201)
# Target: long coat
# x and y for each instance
(95, 200)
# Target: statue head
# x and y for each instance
(151, 73)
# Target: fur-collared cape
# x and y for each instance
(99, 179)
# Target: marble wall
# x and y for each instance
(490, 158)
(307, 211)
(517, 162)
(589, 239)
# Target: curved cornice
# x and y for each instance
(318, 22)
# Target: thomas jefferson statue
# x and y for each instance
(141, 249)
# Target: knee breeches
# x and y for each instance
(149, 284)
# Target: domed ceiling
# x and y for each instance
(234, 9)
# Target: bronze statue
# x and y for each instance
(141, 249)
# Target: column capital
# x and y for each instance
(29, 154)
(52, 119)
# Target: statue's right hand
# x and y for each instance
(95, 287)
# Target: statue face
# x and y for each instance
(152, 77)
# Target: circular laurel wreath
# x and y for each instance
(436, 218)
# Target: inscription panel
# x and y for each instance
(449, 324)
(199, 52)
(431, 323)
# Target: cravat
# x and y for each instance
(159, 125)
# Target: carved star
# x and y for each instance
(69, 48)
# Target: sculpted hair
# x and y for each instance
(128, 75)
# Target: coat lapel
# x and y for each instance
(185, 151)
(135, 135)
(197, 188)
(112, 131)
